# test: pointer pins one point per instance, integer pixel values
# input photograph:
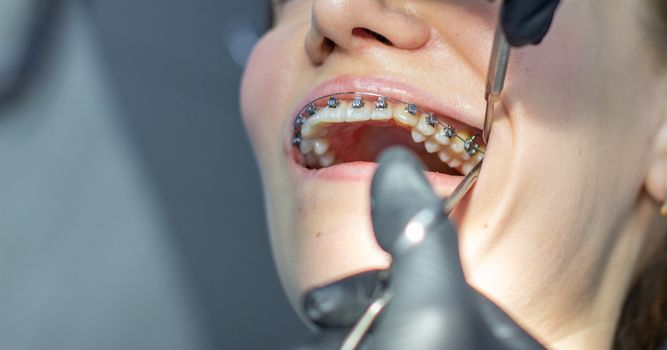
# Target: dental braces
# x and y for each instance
(333, 101)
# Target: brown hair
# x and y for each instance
(643, 321)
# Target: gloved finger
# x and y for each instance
(503, 327)
(399, 190)
(338, 305)
(527, 21)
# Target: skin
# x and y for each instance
(565, 213)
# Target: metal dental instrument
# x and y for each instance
(356, 335)
(495, 78)
(462, 189)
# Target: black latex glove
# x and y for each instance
(433, 307)
(527, 21)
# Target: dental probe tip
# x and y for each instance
(462, 189)
(488, 120)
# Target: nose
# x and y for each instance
(350, 25)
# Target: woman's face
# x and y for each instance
(572, 131)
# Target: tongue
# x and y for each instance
(365, 141)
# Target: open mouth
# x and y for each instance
(357, 126)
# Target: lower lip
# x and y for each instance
(363, 172)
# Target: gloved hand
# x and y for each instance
(527, 21)
(432, 306)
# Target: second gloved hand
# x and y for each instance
(527, 21)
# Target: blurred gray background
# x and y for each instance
(131, 212)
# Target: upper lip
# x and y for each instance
(443, 105)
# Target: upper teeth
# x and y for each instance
(358, 102)
(470, 146)
(417, 136)
(405, 118)
(424, 126)
(431, 119)
(333, 102)
(431, 145)
(310, 130)
(311, 109)
(320, 146)
(384, 113)
(359, 113)
(441, 135)
(411, 108)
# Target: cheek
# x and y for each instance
(554, 81)
(257, 85)
(268, 85)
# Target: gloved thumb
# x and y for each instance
(338, 305)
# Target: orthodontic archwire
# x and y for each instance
(332, 101)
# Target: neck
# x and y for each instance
(595, 329)
(595, 336)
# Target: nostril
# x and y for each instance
(367, 33)
(362, 32)
(328, 45)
